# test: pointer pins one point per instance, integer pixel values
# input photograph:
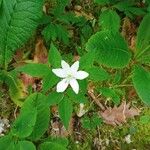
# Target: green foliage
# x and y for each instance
(87, 60)
(54, 56)
(42, 118)
(54, 98)
(51, 146)
(141, 81)
(102, 2)
(49, 81)
(109, 20)
(91, 122)
(65, 109)
(16, 26)
(24, 124)
(14, 88)
(111, 49)
(35, 70)
(143, 40)
(110, 94)
(98, 74)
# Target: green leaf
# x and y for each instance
(25, 145)
(141, 81)
(51, 146)
(65, 110)
(23, 125)
(143, 38)
(98, 74)
(49, 81)
(42, 118)
(49, 32)
(54, 56)
(145, 119)
(92, 122)
(15, 91)
(18, 20)
(102, 2)
(111, 49)
(109, 20)
(5, 142)
(111, 94)
(54, 98)
(35, 70)
(87, 60)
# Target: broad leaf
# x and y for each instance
(51, 146)
(23, 125)
(54, 56)
(98, 74)
(109, 20)
(111, 49)
(87, 60)
(5, 142)
(24, 145)
(18, 20)
(54, 98)
(15, 91)
(141, 81)
(49, 81)
(43, 117)
(35, 70)
(65, 111)
(143, 38)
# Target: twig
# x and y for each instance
(95, 99)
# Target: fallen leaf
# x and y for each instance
(41, 54)
(119, 115)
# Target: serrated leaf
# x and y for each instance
(111, 49)
(54, 56)
(23, 125)
(35, 70)
(49, 81)
(38, 101)
(141, 81)
(143, 38)
(98, 74)
(43, 117)
(54, 98)
(109, 20)
(18, 20)
(65, 111)
(87, 60)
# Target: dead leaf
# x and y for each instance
(119, 115)
(41, 54)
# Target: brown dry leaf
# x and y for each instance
(119, 115)
(129, 32)
(41, 54)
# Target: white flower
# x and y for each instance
(69, 76)
(82, 110)
(128, 138)
(1, 127)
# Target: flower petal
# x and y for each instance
(59, 72)
(62, 85)
(64, 64)
(75, 86)
(81, 75)
(75, 66)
